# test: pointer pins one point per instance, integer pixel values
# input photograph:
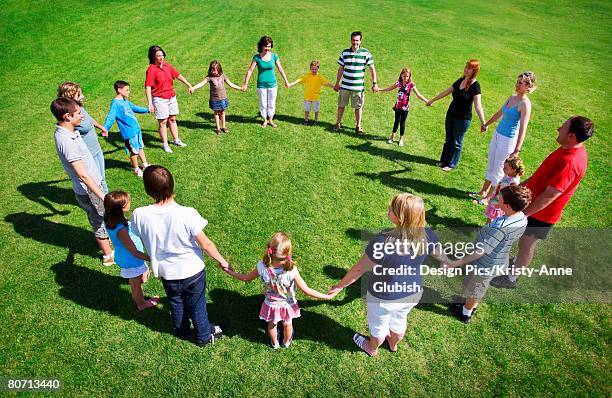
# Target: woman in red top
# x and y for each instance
(161, 96)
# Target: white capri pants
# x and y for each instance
(267, 102)
(499, 149)
(386, 316)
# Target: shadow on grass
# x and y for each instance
(390, 154)
(240, 316)
(150, 140)
(102, 292)
(46, 193)
(38, 228)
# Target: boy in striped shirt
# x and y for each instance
(350, 81)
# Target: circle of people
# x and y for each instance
(173, 235)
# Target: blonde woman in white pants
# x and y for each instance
(509, 136)
(266, 61)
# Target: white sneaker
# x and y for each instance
(401, 143)
(138, 172)
(109, 260)
(145, 165)
(167, 148)
(389, 141)
(180, 143)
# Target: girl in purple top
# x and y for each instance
(218, 97)
(405, 85)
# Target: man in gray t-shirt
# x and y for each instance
(494, 242)
(80, 167)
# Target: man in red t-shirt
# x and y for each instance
(552, 186)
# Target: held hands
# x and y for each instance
(514, 154)
(243, 88)
(333, 291)
(336, 87)
(483, 128)
(375, 88)
(104, 132)
(151, 108)
(429, 103)
(191, 90)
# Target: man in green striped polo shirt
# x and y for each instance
(350, 81)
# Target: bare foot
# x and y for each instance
(392, 348)
(152, 302)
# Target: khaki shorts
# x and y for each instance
(475, 287)
(165, 107)
(357, 98)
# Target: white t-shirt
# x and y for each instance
(168, 233)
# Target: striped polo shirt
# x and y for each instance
(354, 64)
(497, 239)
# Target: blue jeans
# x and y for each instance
(99, 161)
(455, 131)
(187, 299)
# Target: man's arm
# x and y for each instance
(79, 168)
(545, 198)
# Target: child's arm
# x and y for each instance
(439, 255)
(100, 127)
(390, 88)
(110, 117)
(138, 109)
(243, 277)
(209, 247)
(130, 246)
(199, 85)
(232, 85)
(419, 95)
(309, 291)
(296, 82)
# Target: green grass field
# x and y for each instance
(64, 315)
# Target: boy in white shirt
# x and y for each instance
(174, 239)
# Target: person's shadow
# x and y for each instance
(390, 154)
(239, 315)
(101, 292)
(46, 193)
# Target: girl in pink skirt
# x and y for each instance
(279, 274)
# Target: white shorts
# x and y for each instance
(165, 107)
(386, 316)
(312, 106)
(129, 273)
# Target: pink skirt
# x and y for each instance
(492, 212)
(275, 314)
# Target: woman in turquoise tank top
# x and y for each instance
(509, 136)
(265, 60)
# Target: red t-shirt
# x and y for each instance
(563, 169)
(161, 80)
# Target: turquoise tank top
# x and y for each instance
(510, 121)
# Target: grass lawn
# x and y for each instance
(64, 315)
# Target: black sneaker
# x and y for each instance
(502, 282)
(460, 307)
(458, 312)
(216, 334)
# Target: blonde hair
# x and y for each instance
(517, 165)
(315, 63)
(68, 90)
(409, 210)
(530, 79)
(279, 247)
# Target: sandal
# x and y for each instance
(273, 125)
(359, 130)
(360, 341)
(481, 201)
(218, 131)
(287, 344)
(225, 130)
(337, 127)
(264, 124)
(388, 338)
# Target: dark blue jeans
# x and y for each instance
(455, 131)
(187, 299)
